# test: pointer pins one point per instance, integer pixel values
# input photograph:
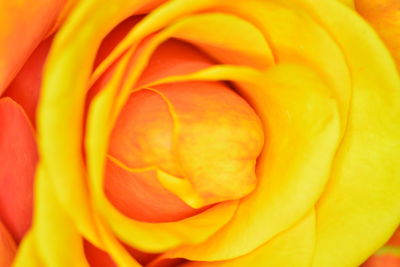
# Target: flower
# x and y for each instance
(207, 133)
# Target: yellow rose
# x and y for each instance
(214, 133)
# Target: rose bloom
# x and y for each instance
(199, 133)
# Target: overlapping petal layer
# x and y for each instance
(18, 158)
(24, 26)
(384, 16)
(25, 87)
(7, 247)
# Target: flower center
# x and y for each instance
(198, 141)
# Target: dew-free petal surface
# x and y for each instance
(7, 247)
(18, 157)
(25, 87)
(24, 24)
(384, 16)
(362, 195)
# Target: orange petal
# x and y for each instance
(395, 239)
(385, 260)
(25, 88)
(384, 16)
(24, 24)
(387, 256)
(18, 159)
(218, 138)
(141, 196)
(7, 247)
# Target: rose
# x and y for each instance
(318, 125)
(34, 228)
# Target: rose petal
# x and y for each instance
(395, 239)
(362, 197)
(24, 26)
(387, 256)
(97, 257)
(18, 159)
(293, 247)
(25, 88)
(384, 16)
(7, 247)
(382, 261)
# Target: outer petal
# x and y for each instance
(25, 88)
(52, 230)
(384, 16)
(385, 260)
(18, 159)
(363, 195)
(97, 257)
(7, 247)
(395, 239)
(24, 24)
(387, 256)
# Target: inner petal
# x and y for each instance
(178, 148)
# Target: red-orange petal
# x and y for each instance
(395, 239)
(18, 157)
(25, 88)
(97, 257)
(114, 37)
(382, 261)
(24, 24)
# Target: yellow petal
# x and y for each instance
(294, 247)
(349, 3)
(51, 231)
(361, 208)
(27, 255)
